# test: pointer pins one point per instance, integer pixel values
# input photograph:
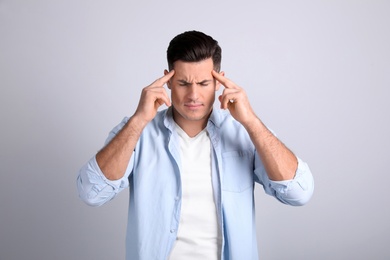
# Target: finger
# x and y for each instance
(164, 79)
(223, 104)
(226, 100)
(229, 96)
(157, 94)
(167, 99)
(162, 96)
(160, 102)
(223, 80)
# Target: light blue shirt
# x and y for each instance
(153, 178)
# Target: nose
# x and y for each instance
(193, 93)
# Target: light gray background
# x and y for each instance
(316, 72)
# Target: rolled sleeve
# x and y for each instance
(94, 188)
(295, 192)
(298, 191)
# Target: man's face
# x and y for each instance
(193, 90)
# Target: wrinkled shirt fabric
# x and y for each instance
(153, 178)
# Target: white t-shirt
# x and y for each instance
(198, 236)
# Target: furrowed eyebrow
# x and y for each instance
(204, 81)
(184, 82)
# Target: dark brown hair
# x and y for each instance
(193, 46)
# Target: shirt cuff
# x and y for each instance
(116, 184)
(298, 190)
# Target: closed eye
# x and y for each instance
(204, 83)
(184, 83)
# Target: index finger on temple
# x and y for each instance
(223, 80)
(164, 79)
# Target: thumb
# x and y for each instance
(220, 100)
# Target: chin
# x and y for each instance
(193, 115)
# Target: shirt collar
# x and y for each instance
(215, 118)
(168, 119)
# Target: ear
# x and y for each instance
(169, 81)
(217, 83)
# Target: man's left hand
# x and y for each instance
(235, 100)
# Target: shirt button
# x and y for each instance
(173, 231)
(177, 198)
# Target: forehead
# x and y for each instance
(200, 70)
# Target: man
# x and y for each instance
(191, 168)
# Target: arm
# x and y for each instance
(279, 162)
(285, 176)
(104, 176)
(115, 156)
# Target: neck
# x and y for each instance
(190, 127)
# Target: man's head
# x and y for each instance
(193, 56)
(193, 46)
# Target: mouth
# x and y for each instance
(193, 106)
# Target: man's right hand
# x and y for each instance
(152, 97)
(114, 158)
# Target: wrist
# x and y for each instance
(254, 126)
(251, 121)
(137, 123)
